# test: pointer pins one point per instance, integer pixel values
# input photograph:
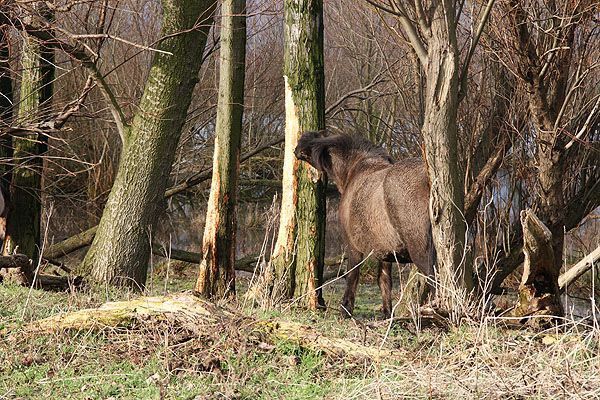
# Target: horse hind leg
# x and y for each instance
(347, 307)
(384, 280)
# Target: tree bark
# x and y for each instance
(24, 216)
(6, 106)
(121, 248)
(440, 138)
(297, 260)
(217, 268)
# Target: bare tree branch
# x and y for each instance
(409, 27)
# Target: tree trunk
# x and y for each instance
(440, 138)
(24, 215)
(121, 248)
(297, 260)
(217, 268)
(6, 112)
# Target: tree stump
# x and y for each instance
(539, 290)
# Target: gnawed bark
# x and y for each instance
(296, 267)
(539, 291)
(203, 313)
(216, 277)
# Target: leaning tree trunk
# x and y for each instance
(440, 138)
(121, 248)
(217, 268)
(25, 213)
(299, 251)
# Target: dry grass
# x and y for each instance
(166, 358)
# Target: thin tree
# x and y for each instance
(217, 268)
(297, 260)
(24, 215)
(120, 251)
(6, 107)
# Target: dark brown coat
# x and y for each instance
(383, 206)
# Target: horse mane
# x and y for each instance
(348, 144)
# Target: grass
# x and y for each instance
(160, 359)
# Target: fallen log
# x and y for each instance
(190, 308)
(578, 269)
(246, 263)
(19, 269)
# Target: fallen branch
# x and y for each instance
(19, 269)
(578, 269)
(189, 308)
(246, 263)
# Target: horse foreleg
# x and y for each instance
(351, 284)
(384, 279)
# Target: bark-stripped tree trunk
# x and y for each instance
(217, 268)
(297, 259)
(25, 213)
(121, 248)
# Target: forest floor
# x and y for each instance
(157, 359)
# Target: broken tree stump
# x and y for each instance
(539, 290)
